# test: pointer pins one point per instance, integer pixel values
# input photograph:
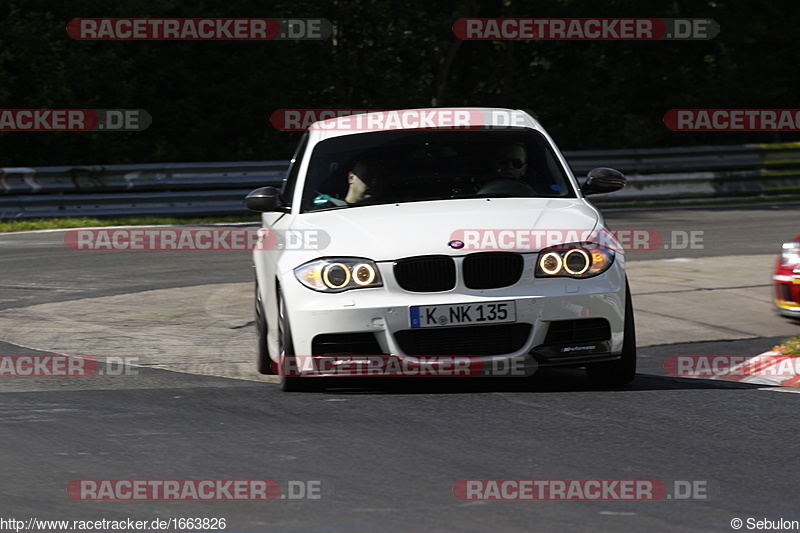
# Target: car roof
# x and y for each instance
(409, 119)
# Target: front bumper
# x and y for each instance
(786, 292)
(559, 321)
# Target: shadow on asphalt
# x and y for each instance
(544, 381)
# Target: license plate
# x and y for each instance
(430, 316)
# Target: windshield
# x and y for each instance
(412, 166)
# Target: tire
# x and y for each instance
(286, 351)
(263, 360)
(623, 370)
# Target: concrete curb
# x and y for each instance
(769, 368)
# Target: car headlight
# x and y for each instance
(790, 253)
(574, 260)
(339, 274)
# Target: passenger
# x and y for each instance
(365, 181)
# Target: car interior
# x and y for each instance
(426, 167)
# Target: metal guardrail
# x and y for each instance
(219, 188)
(181, 189)
(697, 172)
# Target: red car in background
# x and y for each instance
(787, 279)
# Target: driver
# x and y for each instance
(510, 161)
(365, 183)
(508, 165)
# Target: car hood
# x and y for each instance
(393, 231)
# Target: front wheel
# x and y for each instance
(286, 354)
(623, 370)
(263, 360)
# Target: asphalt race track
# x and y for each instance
(385, 456)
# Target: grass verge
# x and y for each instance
(789, 347)
(87, 222)
(699, 202)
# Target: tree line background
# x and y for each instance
(211, 101)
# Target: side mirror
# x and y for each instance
(265, 199)
(602, 180)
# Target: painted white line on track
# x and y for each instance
(793, 390)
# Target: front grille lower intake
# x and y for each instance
(473, 340)
(345, 344)
(580, 330)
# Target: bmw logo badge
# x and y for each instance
(457, 245)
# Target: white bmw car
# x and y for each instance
(437, 242)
